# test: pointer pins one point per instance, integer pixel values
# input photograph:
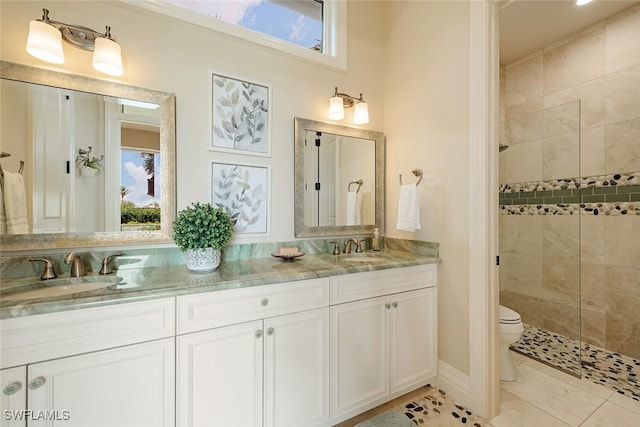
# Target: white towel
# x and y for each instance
(15, 204)
(354, 208)
(408, 208)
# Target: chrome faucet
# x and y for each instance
(77, 266)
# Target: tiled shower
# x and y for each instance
(570, 201)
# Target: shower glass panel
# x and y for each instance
(540, 270)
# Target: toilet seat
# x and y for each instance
(508, 316)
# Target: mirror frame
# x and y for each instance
(301, 230)
(166, 100)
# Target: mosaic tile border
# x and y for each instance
(609, 369)
(612, 209)
(597, 181)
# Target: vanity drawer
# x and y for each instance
(371, 284)
(49, 336)
(214, 309)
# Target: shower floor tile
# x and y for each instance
(612, 370)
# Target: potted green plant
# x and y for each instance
(88, 165)
(201, 231)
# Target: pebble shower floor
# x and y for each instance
(612, 370)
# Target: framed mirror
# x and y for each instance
(59, 122)
(339, 179)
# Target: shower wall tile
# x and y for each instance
(591, 96)
(561, 156)
(623, 291)
(622, 245)
(622, 95)
(619, 329)
(561, 281)
(592, 152)
(523, 82)
(622, 146)
(524, 275)
(622, 40)
(523, 162)
(561, 318)
(562, 119)
(525, 108)
(522, 235)
(560, 236)
(573, 63)
(592, 239)
(592, 286)
(593, 327)
(525, 128)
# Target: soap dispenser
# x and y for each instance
(376, 243)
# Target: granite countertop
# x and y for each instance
(138, 284)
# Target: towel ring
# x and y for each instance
(416, 172)
(359, 182)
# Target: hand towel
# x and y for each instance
(408, 208)
(15, 204)
(354, 208)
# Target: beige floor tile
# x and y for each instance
(611, 414)
(515, 412)
(626, 402)
(583, 384)
(564, 401)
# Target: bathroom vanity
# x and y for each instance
(270, 343)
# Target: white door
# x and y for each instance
(127, 386)
(412, 336)
(359, 354)
(296, 372)
(13, 382)
(219, 377)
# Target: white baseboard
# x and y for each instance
(454, 383)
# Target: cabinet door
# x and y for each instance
(296, 351)
(220, 376)
(359, 354)
(412, 334)
(128, 386)
(13, 383)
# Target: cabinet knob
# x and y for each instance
(258, 333)
(387, 306)
(264, 301)
(394, 305)
(12, 388)
(36, 383)
(269, 331)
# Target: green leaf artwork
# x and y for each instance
(239, 115)
(241, 192)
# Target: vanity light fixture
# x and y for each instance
(45, 43)
(340, 101)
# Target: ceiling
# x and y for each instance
(529, 25)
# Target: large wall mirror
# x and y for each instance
(51, 122)
(339, 179)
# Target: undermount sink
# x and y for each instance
(59, 287)
(362, 258)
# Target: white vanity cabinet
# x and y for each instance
(259, 358)
(383, 336)
(13, 382)
(93, 367)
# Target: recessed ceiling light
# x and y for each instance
(582, 2)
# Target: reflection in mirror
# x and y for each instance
(99, 159)
(339, 179)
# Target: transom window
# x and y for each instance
(295, 21)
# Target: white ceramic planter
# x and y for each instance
(88, 172)
(202, 260)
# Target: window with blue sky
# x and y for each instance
(295, 21)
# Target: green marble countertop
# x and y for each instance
(173, 280)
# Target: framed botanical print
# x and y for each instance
(243, 191)
(240, 116)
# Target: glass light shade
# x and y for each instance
(361, 113)
(45, 42)
(107, 57)
(336, 108)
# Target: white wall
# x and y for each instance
(164, 54)
(427, 127)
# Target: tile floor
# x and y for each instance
(545, 396)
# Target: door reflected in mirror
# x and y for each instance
(339, 187)
(91, 161)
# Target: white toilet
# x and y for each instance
(511, 329)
